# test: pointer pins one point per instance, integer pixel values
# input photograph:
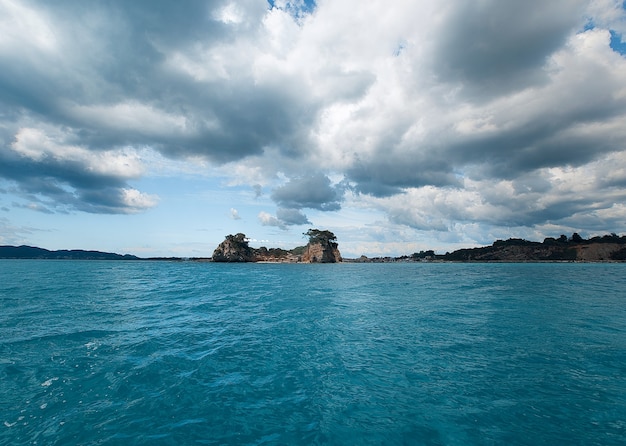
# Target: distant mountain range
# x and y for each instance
(31, 252)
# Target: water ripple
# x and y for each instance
(432, 354)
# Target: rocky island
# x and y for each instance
(322, 248)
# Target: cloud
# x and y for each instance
(290, 217)
(284, 218)
(11, 234)
(234, 214)
(258, 190)
(312, 191)
(441, 114)
(495, 48)
(587, 197)
(269, 220)
(53, 174)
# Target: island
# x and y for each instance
(322, 248)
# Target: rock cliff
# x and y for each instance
(321, 253)
(234, 249)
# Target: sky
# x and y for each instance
(156, 128)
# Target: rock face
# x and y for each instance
(321, 253)
(234, 249)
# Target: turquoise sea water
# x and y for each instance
(135, 353)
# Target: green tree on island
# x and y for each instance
(322, 237)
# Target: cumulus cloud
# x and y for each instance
(439, 114)
(53, 174)
(284, 218)
(291, 217)
(312, 191)
(588, 197)
(267, 219)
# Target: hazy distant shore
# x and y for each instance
(607, 248)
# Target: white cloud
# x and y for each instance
(608, 14)
(23, 25)
(136, 201)
(44, 147)
(267, 219)
(229, 14)
(234, 214)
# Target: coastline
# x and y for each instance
(606, 249)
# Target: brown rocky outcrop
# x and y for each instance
(234, 249)
(321, 253)
(595, 252)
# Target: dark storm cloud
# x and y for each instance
(492, 47)
(387, 175)
(314, 192)
(225, 119)
(103, 72)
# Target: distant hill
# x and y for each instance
(607, 248)
(596, 249)
(31, 252)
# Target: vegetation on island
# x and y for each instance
(575, 248)
(607, 248)
(322, 237)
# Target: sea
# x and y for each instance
(191, 353)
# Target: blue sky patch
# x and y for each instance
(617, 44)
(301, 6)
